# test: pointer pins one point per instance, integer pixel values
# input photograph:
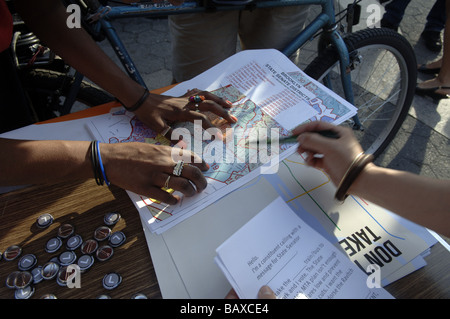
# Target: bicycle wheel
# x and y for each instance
(383, 72)
(47, 91)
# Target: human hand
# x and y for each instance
(146, 168)
(338, 154)
(158, 112)
(264, 293)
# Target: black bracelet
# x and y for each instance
(358, 164)
(139, 103)
(95, 164)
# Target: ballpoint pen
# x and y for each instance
(293, 138)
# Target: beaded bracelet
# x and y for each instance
(355, 168)
(139, 103)
(97, 165)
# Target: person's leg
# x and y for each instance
(200, 41)
(434, 25)
(271, 27)
(395, 11)
(439, 87)
(436, 17)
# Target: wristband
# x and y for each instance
(100, 164)
(355, 168)
(139, 103)
(94, 161)
(97, 164)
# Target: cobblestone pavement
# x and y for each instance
(422, 145)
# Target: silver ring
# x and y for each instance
(166, 184)
(166, 130)
(178, 168)
(196, 108)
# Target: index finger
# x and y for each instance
(219, 100)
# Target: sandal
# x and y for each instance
(423, 69)
(431, 92)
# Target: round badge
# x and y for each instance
(10, 279)
(117, 239)
(67, 258)
(24, 293)
(89, 247)
(53, 244)
(85, 262)
(111, 281)
(27, 262)
(74, 242)
(111, 218)
(62, 277)
(44, 220)
(12, 252)
(102, 233)
(139, 296)
(104, 253)
(23, 279)
(37, 275)
(65, 231)
(50, 270)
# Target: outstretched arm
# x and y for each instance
(139, 167)
(47, 18)
(421, 199)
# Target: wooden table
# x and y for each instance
(83, 205)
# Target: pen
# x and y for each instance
(293, 138)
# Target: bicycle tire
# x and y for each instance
(48, 89)
(375, 48)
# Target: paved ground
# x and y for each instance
(422, 145)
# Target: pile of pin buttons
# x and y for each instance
(62, 267)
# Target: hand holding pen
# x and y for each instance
(336, 153)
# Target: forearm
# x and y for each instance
(47, 18)
(37, 162)
(423, 200)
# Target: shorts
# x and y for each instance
(202, 40)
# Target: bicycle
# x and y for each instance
(50, 86)
(348, 64)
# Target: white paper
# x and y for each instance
(276, 248)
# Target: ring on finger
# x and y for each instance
(166, 130)
(178, 168)
(197, 98)
(166, 184)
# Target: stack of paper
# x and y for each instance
(278, 249)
